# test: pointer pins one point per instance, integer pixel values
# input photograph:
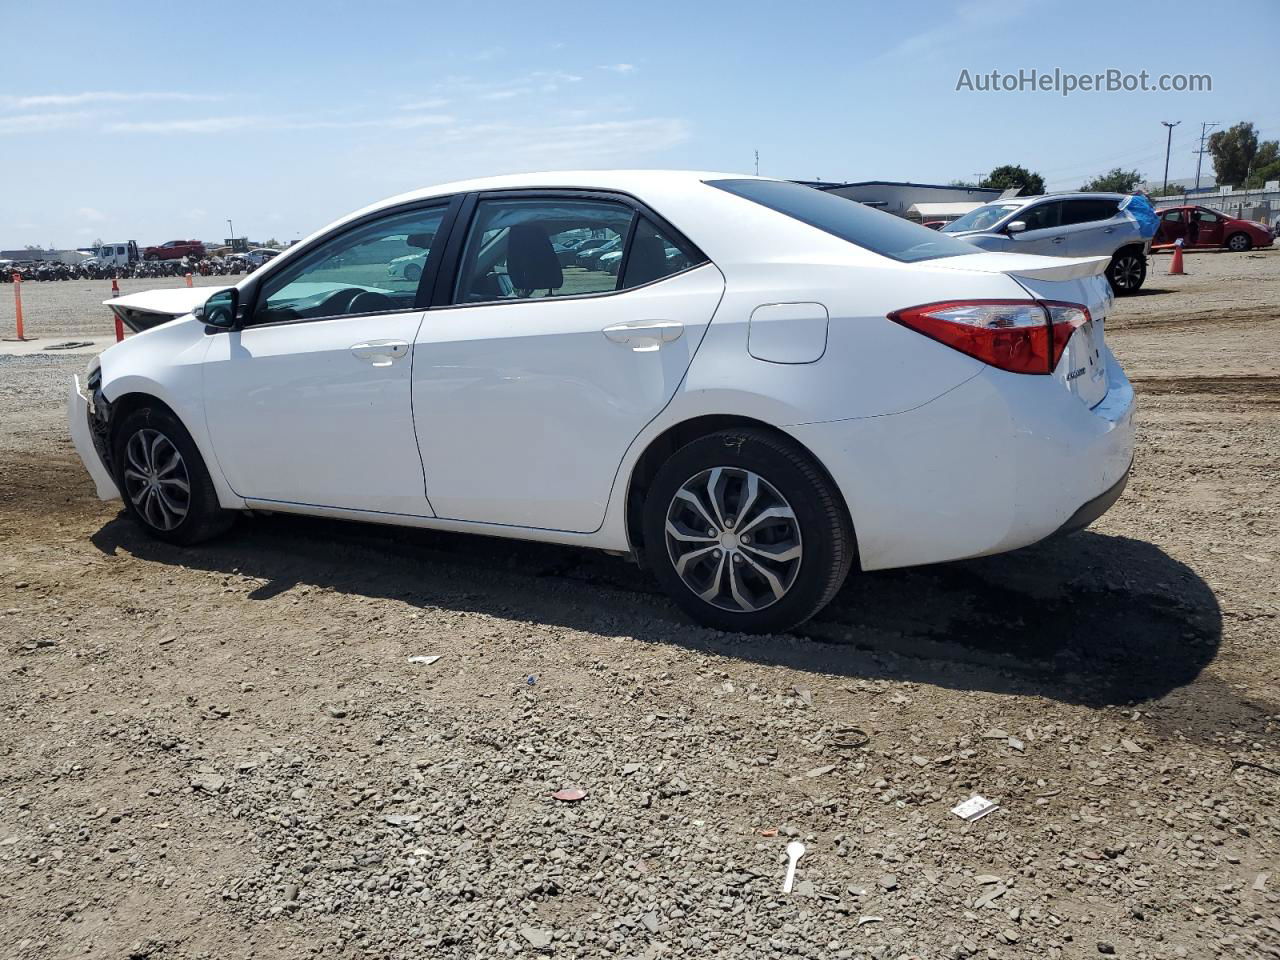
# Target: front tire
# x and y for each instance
(746, 533)
(1239, 242)
(1127, 271)
(163, 480)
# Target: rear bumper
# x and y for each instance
(997, 463)
(82, 439)
(1095, 508)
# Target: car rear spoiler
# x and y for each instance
(1074, 268)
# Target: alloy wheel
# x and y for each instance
(1239, 243)
(156, 479)
(733, 539)
(1127, 272)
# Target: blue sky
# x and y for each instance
(158, 121)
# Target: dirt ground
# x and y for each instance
(224, 752)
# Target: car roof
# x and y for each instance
(1071, 195)
(639, 182)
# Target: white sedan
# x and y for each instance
(809, 385)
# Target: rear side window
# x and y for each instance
(1172, 216)
(873, 230)
(653, 255)
(1087, 210)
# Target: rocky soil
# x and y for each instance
(229, 752)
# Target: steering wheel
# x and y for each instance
(337, 302)
(369, 301)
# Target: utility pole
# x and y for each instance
(1204, 132)
(231, 231)
(757, 163)
(1168, 145)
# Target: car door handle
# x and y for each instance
(1109, 230)
(645, 335)
(1057, 239)
(380, 353)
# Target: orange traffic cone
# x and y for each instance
(1175, 268)
(115, 292)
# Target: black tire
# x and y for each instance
(1127, 271)
(826, 544)
(1239, 242)
(203, 517)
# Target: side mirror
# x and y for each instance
(219, 311)
(1016, 226)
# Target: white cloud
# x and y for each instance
(435, 103)
(196, 214)
(598, 143)
(101, 96)
(971, 18)
(506, 93)
(269, 123)
(88, 213)
(202, 125)
(619, 67)
(39, 122)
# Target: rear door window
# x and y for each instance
(873, 230)
(536, 248)
(523, 249)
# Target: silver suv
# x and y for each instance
(1063, 225)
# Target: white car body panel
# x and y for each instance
(295, 415)
(522, 419)
(524, 410)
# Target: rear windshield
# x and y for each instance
(879, 232)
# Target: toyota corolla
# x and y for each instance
(773, 387)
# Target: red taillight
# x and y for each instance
(1021, 336)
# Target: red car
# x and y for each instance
(1201, 227)
(174, 250)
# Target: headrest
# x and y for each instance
(531, 260)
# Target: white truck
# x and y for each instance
(117, 254)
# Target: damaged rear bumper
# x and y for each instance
(78, 412)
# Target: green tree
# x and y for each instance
(1114, 181)
(1011, 175)
(1237, 153)
(1266, 164)
(962, 183)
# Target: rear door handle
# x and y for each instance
(380, 353)
(1057, 239)
(645, 335)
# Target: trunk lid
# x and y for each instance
(1082, 371)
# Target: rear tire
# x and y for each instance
(1127, 271)
(746, 532)
(163, 479)
(1239, 242)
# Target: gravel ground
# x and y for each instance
(225, 752)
